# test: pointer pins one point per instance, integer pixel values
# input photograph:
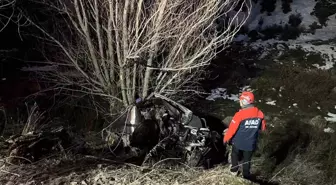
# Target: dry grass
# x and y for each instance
(302, 171)
(91, 171)
(294, 152)
(165, 176)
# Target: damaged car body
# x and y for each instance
(196, 139)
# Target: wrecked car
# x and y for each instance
(172, 128)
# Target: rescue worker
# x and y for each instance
(243, 133)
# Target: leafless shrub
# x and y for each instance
(121, 50)
(3, 121)
(34, 118)
(5, 19)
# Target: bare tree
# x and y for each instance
(121, 49)
(5, 19)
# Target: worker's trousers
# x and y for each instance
(244, 156)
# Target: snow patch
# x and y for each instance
(241, 37)
(221, 93)
(331, 118)
(304, 7)
(277, 17)
(329, 130)
(273, 102)
(326, 52)
(324, 33)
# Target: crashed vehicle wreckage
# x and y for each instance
(195, 139)
(153, 130)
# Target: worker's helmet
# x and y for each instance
(247, 98)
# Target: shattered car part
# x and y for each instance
(197, 143)
(175, 108)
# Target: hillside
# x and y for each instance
(287, 58)
(286, 55)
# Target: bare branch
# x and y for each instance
(5, 4)
(131, 48)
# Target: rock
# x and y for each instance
(227, 120)
(318, 121)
